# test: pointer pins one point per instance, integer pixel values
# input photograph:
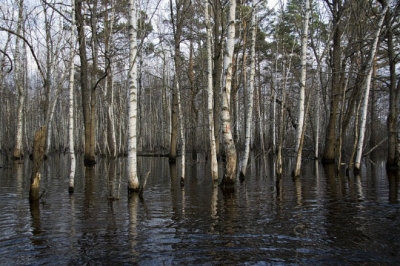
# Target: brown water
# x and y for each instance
(319, 219)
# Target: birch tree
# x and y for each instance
(303, 80)
(229, 144)
(182, 132)
(250, 95)
(18, 152)
(367, 85)
(133, 180)
(210, 97)
(71, 143)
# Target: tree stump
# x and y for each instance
(38, 155)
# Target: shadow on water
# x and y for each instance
(321, 217)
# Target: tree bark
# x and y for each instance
(250, 94)
(367, 85)
(87, 94)
(39, 143)
(133, 180)
(302, 98)
(18, 152)
(210, 98)
(393, 156)
(330, 137)
(71, 127)
(229, 144)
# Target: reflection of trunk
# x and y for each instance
(394, 180)
(133, 180)
(367, 85)
(133, 201)
(38, 152)
(229, 145)
(19, 82)
(210, 99)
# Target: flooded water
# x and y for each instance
(319, 218)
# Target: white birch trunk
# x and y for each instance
(181, 129)
(71, 119)
(229, 145)
(367, 85)
(210, 99)
(303, 80)
(250, 98)
(19, 82)
(133, 180)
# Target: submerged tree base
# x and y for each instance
(227, 184)
(392, 166)
(242, 176)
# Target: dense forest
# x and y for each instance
(307, 79)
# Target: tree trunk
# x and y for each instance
(250, 94)
(71, 143)
(87, 101)
(367, 85)
(210, 98)
(302, 98)
(330, 137)
(393, 157)
(229, 145)
(217, 73)
(111, 137)
(18, 152)
(39, 143)
(133, 180)
(182, 132)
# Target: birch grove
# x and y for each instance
(181, 82)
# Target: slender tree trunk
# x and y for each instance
(177, 24)
(182, 132)
(210, 98)
(303, 81)
(87, 101)
(367, 85)
(229, 144)
(18, 152)
(217, 72)
(71, 143)
(393, 157)
(250, 94)
(133, 180)
(330, 137)
(111, 136)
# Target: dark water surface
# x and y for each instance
(319, 219)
